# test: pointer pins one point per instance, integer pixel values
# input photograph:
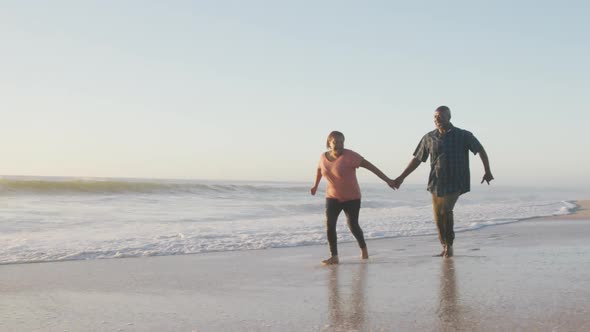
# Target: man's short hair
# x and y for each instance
(445, 109)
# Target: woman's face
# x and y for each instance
(336, 144)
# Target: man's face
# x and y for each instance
(441, 120)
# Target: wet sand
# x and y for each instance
(526, 276)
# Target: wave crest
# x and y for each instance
(93, 186)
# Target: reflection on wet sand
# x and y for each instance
(448, 310)
(346, 301)
(453, 316)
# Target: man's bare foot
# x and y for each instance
(331, 261)
(449, 252)
(364, 253)
(442, 253)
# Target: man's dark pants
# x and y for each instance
(443, 217)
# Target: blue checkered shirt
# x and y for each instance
(449, 159)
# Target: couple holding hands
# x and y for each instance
(448, 148)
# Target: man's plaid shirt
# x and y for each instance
(449, 159)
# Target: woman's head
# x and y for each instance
(335, 142)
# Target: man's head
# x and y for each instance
(442, 118)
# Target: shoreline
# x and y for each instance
(582, 211)
(521, 276)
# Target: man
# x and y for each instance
(448, 148)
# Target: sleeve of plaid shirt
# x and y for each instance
(472, 143)
(422, 149)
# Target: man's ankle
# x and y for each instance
(449, 251)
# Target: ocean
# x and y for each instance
(56, 219)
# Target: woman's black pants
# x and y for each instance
(351, 209)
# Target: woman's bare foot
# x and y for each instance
(331, 261)
(364, 253)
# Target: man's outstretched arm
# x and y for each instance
(414, 163)
(487, 177)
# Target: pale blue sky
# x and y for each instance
(250, 89)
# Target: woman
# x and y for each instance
(338, 165)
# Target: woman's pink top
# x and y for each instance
(341, 175)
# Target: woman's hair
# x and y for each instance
(332, 135)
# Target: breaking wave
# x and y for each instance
(108, 186)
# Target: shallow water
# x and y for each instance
(53, 219)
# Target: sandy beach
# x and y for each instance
(525, 276)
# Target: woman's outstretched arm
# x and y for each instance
(318, 178)
(366, 164)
